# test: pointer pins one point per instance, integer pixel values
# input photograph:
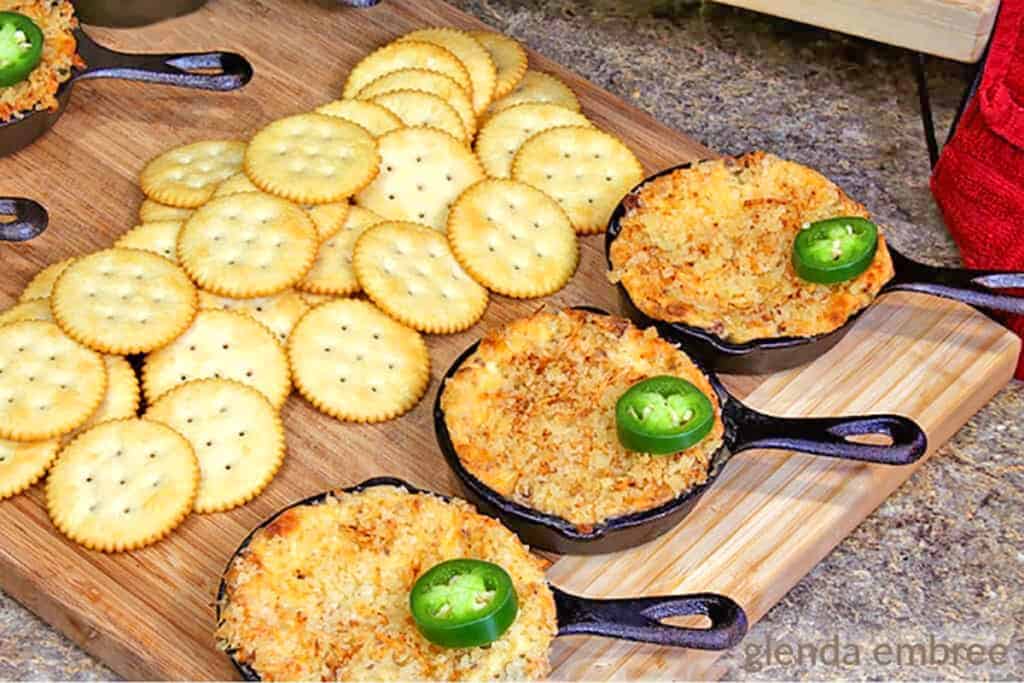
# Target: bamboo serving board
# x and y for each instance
(769, 519)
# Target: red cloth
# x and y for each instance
(979, 180)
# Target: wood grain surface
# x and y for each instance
(767, 521)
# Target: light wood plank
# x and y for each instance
(149, 614)
(955, 29)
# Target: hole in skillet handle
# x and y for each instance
(641, 619)
(754, 357)
(21, 219)
(358, 3)
(973, 287)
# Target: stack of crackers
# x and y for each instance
(316, 253)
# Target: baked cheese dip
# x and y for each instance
(710, 246)
(531, 414)
(322, 592)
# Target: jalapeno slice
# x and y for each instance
(21, 47)
(835, 250)
(662, 415)
(463, 603)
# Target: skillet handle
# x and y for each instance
(639, 619)
(828, 435)
(974, 287)
(24, 219)
(201, 70)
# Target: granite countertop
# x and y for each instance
(950, 542)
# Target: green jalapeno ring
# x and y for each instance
(663, 415)
(835, 250)
(21, 47)
(463, 603)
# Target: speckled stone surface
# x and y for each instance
(943, 558)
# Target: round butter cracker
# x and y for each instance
(540, 87)
(326, 217)
(418, 108)
(122, 485)
(406, 54)
(429, 82)
(222, 345)
(373, 117)
(587, 171)
(477, 60)
(49, 384)
(355, 363)
(40, 286)
(121, 400)
(332, 271)
(159, 237)
(123, 301)
(312, 158)
(278, 312)
(247, 245)
(422, 172)
(513, 239)
(509, 58)
(34, 309)
(151, 212)
(187, 176)
(409, 271)
(236, 434)
(23, 463)
(505, 132)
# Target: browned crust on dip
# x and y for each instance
(322, 593)
(711, 246)
(532, 415)
(56, 19)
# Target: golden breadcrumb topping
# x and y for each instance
(322, 593)
(711, 246)
(532, 414)
(56, 19)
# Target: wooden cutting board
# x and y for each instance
(769, 519)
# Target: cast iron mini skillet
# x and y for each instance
(757, 356)
(637, 619)
(21, 219)
(205, 71)
(745, 429)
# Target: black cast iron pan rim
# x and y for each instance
(973, 287)
(745, 428)
(639, 618)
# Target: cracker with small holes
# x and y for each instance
(34, 309)
(355, 363)
(236, 434)
(23, 463)
(159, 237)
(406, 54)
(373, 117)
(539, 87)
(327, 218)
(422, 172)
(123, 301)
(312, 158)
(332, 271)
(278, 312)
(587, 171)
(508, 56)
(150, 212)
(429, 82)
(505, 132)
(122, 485)
(49, 384)
(247, 245)
(121, 400)
(418, 108)
(409, 271)
(41, 286)
(187, 176)
(221, 345)
(481, 69)
(513, 239)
